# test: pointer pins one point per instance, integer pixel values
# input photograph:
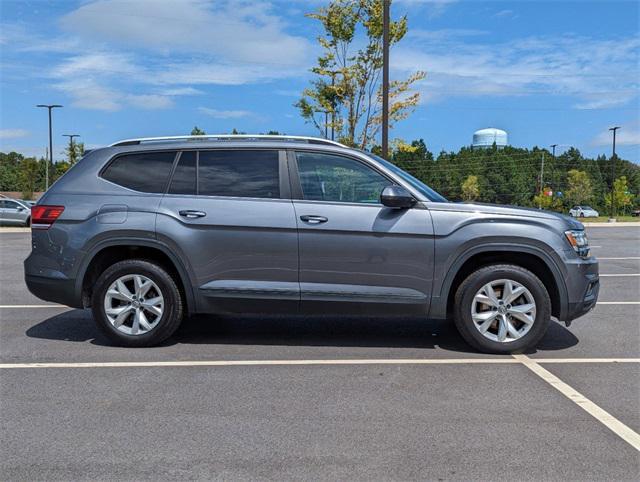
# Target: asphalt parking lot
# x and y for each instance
(280, 398)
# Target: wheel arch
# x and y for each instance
(110, 251)
(531, 258)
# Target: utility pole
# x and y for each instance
(50, 107)
(553, 146)
(71, 146)
(385, 78)
(613, 175)
(541, 180)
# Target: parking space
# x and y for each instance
(413, 402)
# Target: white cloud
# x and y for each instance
(444, 34)
(181, 91)
(149, 101)
(241, 31)
(627, 135)
(505, 14)
(13, 133)
(225, 114)
(597, 73)
(134, 55)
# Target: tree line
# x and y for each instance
(508, 175)
(513, 175)
(28, 175)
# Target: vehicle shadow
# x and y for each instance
(389, 332)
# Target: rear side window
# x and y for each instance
(143, 171)
(237, 173)
(184, 177)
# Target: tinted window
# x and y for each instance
(239, 174)
(415, 183)
(11, 205)
(184, 177)
(144, 171)
(325, 177)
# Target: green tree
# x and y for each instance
(196, 131)
(470, 189)
(74, 152)
(345, 97)
(622, 197)
(28, 176)
(579, 188)
(544, 201)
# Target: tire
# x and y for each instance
(27, 222)
(163, 287)
(582, 215)
(465, 302)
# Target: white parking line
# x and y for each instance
(604, 417)
(630, 257)
(355, 361)
(611, 275)
(618, 303)
(28, 307)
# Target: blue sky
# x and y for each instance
(548, 72)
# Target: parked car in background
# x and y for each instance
(583, 212)
(635, 212)
(148, 230)
(14, 212)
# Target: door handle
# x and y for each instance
(312, 219)
(191, 214)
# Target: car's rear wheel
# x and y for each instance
(502, 309)
(137, 303)
(27, 222)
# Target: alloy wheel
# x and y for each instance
(134, 304)
(503, 310)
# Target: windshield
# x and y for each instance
(417, 184)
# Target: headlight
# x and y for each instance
(578, 240)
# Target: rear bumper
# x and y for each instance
(55, 290)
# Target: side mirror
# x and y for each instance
(396, 197)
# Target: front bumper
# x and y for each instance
(583, 286)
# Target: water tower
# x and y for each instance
(487, 137)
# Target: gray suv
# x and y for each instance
(147, 231)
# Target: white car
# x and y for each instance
(583, 212)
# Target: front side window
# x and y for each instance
(142, 171)
(239, 173)
(327, 177)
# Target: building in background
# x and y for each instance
(487, 137)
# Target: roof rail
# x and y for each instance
(228, 137)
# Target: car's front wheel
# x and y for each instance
(502, 309)
(137, 303)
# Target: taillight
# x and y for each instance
(42, 217)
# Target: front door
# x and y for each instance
(355, 253)
(229, 214)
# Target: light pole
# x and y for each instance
(385, 78)
(613, 174)
(71, 146)
(553, 147)
(50, 107)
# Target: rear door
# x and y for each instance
(228, 212)
(355, 253)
